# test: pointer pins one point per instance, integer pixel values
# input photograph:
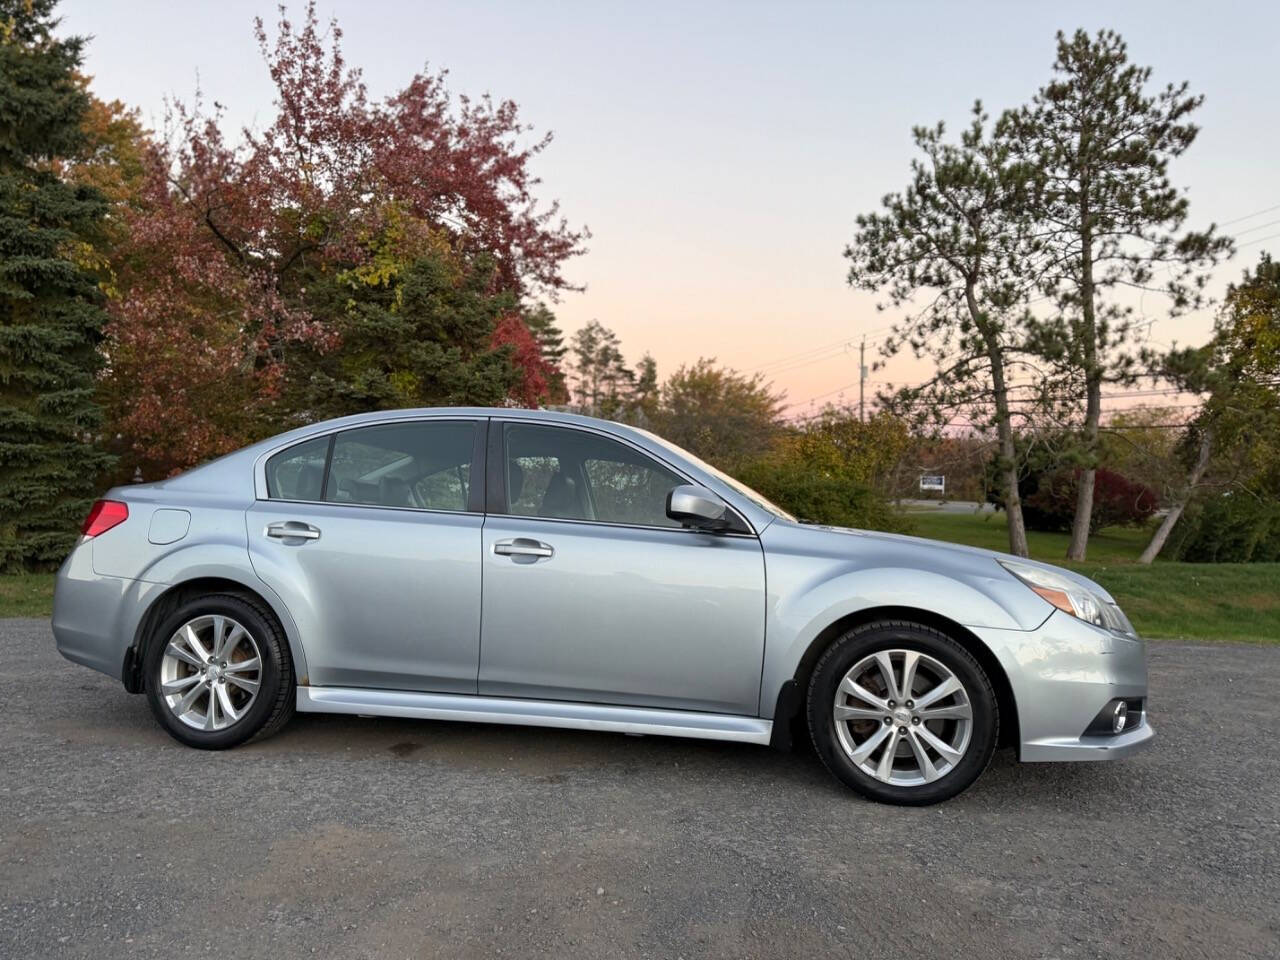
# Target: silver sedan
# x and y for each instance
(529, 567)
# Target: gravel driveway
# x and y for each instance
(345, 837)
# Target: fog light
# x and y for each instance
(1119, 717)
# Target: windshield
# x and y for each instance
(759, 499)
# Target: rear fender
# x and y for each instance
(224, 562)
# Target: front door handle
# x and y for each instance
(292, 530)
(523, 547)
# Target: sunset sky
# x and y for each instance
(719, 152)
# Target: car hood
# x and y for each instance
(940, 548)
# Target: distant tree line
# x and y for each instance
(830, 468)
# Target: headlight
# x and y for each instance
(1071, 597)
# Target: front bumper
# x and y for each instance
(1061, 676)
(1090, 747)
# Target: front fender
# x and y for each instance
(817, 578)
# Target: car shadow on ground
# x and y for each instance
(549, 755)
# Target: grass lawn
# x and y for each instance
(1194, 601)
(26, 595)
(1113, 545)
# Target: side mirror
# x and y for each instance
(697, 507)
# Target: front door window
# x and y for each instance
(561, 473)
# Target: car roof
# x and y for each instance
(229, 471)
(410, 413)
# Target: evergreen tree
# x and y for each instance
(647, 392)
(1110, 219)
(604, 381)
(50, 314)
(959, 239)
(414, 334)
(542, 324)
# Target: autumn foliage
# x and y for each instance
(241, 257)
(535, 373)
(1118, 501)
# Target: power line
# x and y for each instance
(803, 354)
(1259, 240)
(1120, 394)
(821, 396)
(809, 355)
(834, 349)
(1249, 216)
(838, 345)
(805, 363)
(1115, 395)
(1269, 223)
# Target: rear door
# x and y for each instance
(372, 537)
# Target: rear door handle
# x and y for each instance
(522, 547)
(292, 530)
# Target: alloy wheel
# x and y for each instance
(903, 717)
(210, 672)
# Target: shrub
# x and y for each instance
(820, 493)
(1050, 501)
(822, 497)
(1232, 527)
(832, 470)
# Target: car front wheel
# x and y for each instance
(218, 672)
(902, 713)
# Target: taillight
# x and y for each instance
(103, 515)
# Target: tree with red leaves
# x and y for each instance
(232, 275)
(535, 373)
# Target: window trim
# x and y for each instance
(496, 482)
(267, 458)
(478, 466)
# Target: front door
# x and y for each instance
(368, 539)
(592, 594)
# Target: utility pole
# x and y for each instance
(862, 381)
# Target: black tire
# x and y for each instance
(845, 652)
(274, 703)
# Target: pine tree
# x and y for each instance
(604, 381)
(958, 239)
(542, 324)
(1110, 220)
(647, 393)
(50, 313)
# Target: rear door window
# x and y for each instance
(424, 465)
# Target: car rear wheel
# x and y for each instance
(218, 672)
(902, 713)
